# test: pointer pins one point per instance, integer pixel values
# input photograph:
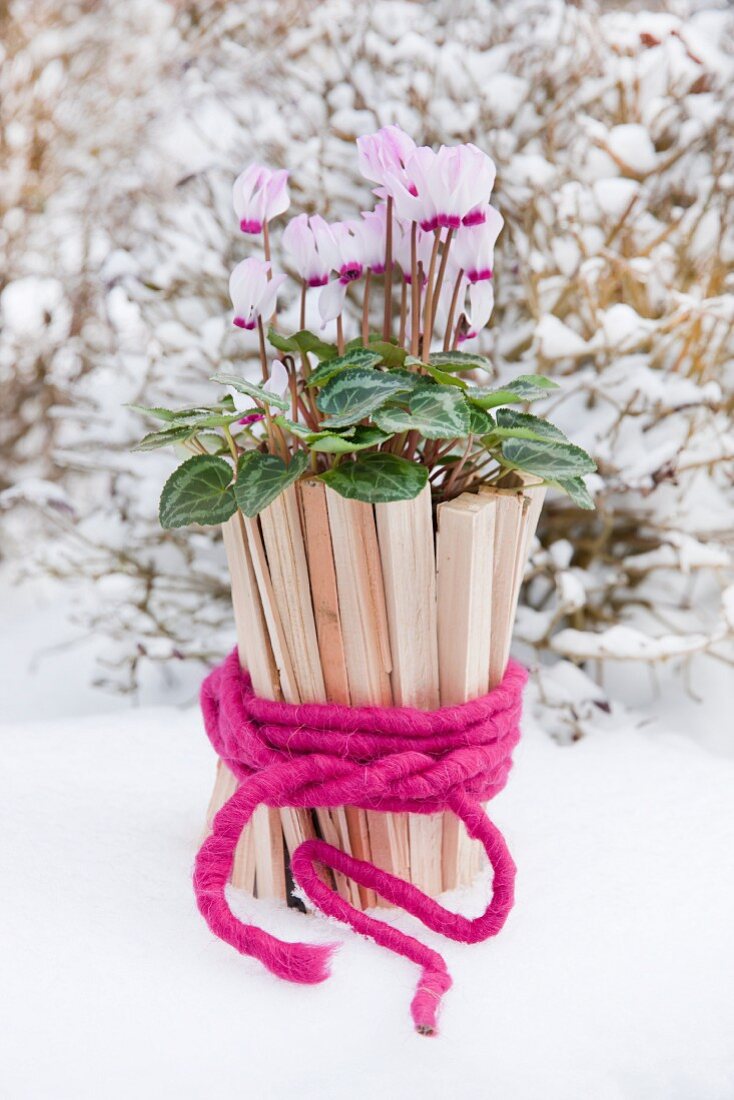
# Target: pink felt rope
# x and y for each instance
(394, 759)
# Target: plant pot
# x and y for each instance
(341, 601)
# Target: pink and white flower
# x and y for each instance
(260, 194)
(473, 246)
(340, 246)
(402, 249)
(253, 292)
(473, 252)
(445, 189)
(385, 154)
(299, 241)
(371, 232)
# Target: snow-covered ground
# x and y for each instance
(612, 979)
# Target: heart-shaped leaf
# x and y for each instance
(437, 412)
(166, 437)
(519, 425)
(576, 489)
(481, 423)
(359, 357)
(450, 361)
(261, 478)
(547, 458)
(526, 387)
(251, 389)
(354, 439)
(303, 341)
(355, 394)
(377, 478)
(199, 491)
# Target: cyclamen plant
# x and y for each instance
(379, 416)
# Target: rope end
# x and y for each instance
(427, 1000)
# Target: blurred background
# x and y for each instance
(612, 126)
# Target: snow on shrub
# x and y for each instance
(613, 136)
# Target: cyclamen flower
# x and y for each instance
(385, 153)
(260, 194)
(253, 294)
(340, 247)
(371, 232)
(402, 249)
(299, 241)
(473, 252)
(445, 189)
(473, 248)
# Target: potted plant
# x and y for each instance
(377, 500)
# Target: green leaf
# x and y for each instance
(377, 478)
(355, 439)
(302, 431)
(518, 425)
(214, 444)
(251, 390)
(576, 489)
(446, 379)
(437, 375)
(157, 413)
(302, 341)
(547, 458)
(358, 357)
(355, 394)
(261, 478)
(526, 387)
(199, 491)
(204, 416)
(450, 361)
(391, 354)
(437, 412)
(481, 423)
(165, 438)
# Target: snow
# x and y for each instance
(631, 144)
(611, 979)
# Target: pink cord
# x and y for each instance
(393, 759)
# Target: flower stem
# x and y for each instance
(366, 309)
(441, 273)
(387, 321)
(415, 292)
(264, 370)
(231, 444)
(428, 307)
(452, 311)
(302, 315)
(340, 334)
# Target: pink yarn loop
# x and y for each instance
(393, 759)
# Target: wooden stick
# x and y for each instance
(466, 534)
(405, 531)
(280, 523)
(345, 828)
(366, 643)
(255, 653)
(281, 528)
(510, 507)
(243, 869)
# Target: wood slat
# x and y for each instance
(465, 548)
(406, 542)
(243, 869)
(256, 654)
(511, 508)
(366, 645)
(333, 822)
